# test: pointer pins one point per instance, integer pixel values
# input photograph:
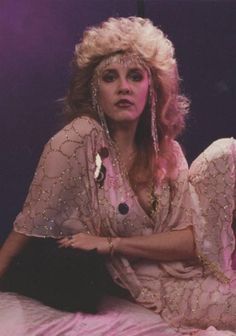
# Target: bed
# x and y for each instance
(21, 316)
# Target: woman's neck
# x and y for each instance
(124, 137)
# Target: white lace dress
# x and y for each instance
(79, 187)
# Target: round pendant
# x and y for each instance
(123, 208)
(104, 152)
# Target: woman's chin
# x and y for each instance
(124, 118)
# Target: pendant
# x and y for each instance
(154, 203)
(100, 171)
(123, 208)
(104, 153)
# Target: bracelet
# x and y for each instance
(111, 246)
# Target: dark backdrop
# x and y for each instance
(37, 40)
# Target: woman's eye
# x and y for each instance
(109, 77)
(136, 76)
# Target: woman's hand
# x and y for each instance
(166, 246)
(86, 242)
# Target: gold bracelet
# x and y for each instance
(111, 246)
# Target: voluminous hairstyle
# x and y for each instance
(139, 36)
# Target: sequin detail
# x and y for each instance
(65, 198)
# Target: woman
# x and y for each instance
(114, 179)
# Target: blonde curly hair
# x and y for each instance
(139, 36)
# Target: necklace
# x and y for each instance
(153, 200)
(150, 190)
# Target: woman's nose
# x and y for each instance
(124, 86)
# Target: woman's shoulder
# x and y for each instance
(78, 131)
(177, 150)
(176, 147)
(175, 162)
(80, 127)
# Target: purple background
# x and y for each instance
(37, 40)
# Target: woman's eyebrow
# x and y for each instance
(136, 69)
(109, 70)
(128, 69)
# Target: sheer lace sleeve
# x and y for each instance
(212, 176)
(62, 196)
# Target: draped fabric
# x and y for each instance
(79, 186)
(213, 176)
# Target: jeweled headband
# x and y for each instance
(125, 59)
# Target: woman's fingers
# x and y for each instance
(79, 240)
(66, 241)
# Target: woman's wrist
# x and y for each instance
(110, 246)
(113, 245)
(116, 244)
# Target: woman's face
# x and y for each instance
(122, 91)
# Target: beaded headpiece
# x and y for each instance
(125, 59)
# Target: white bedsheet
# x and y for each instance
(20, 316)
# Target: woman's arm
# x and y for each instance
(11, 247)
(166, 246)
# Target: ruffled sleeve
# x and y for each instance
(62, 197)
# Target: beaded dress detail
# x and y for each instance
(76, 190)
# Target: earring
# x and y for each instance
(153, 110)
(97, 109)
